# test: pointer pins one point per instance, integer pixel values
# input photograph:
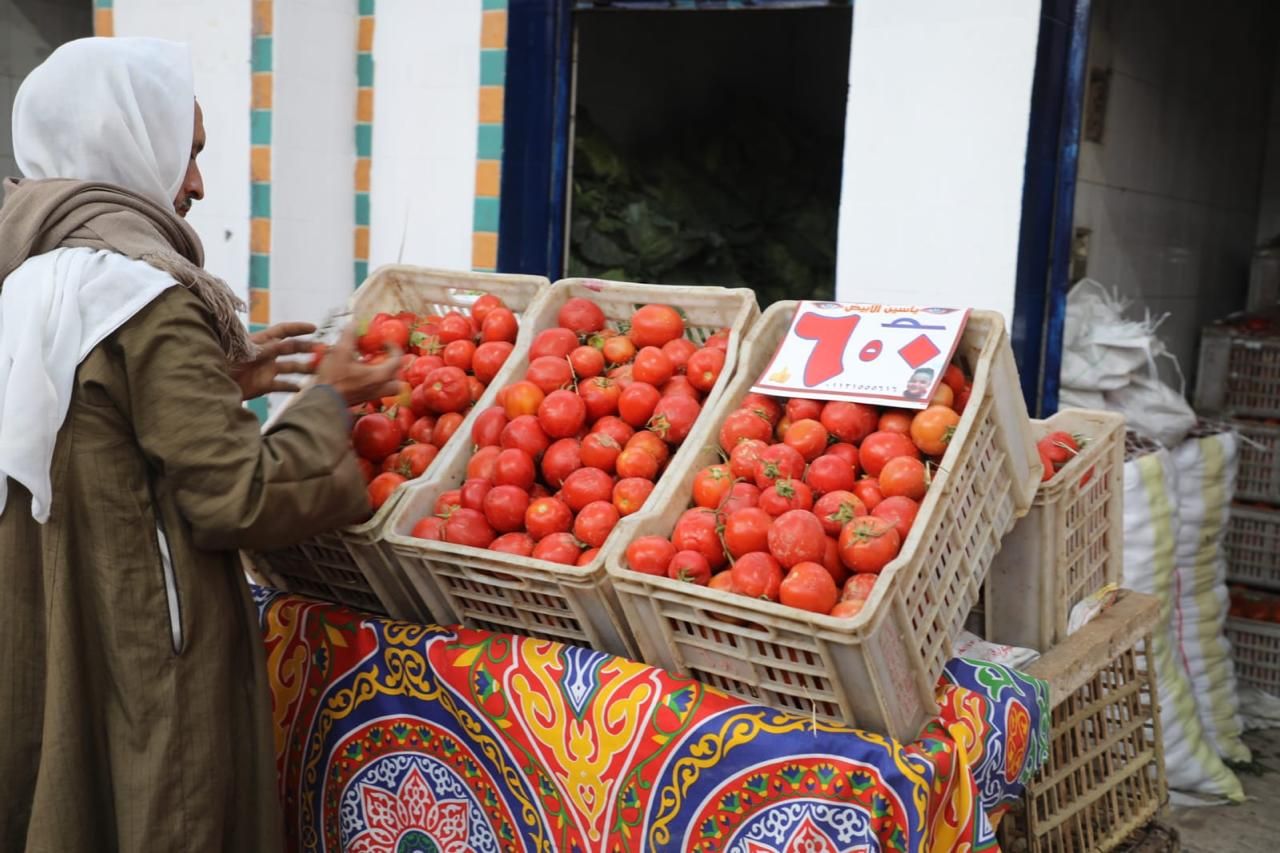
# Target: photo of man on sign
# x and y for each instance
(918, 384)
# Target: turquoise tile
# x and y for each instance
(364, 70)
(260, 127)
(486, 217)
(260, 272)
(364, 139)
(490, 142)
(366, 7)
(495, 4)
(362, 272)
(258, 406)
(362, 208)
(103, 4)
(260, 200)
(261, 53)
(493, 67)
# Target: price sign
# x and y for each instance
(883, 355)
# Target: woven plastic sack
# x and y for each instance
(1206, 466)
(1150, 531)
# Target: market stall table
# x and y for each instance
(392, 736)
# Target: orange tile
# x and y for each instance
(364, 35)
(493, 31)
(260, 236)
(484, 250)
(491, 104)
(362, 175)
(262, 83)
(362, 242)
(259, 164)
(488, 178)
(259, 306)
(103, 22)
(263, 17)
(364, 105)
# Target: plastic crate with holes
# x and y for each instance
(1252, 545)
(1253, 628)
(1258, 471)
(1104, 779)
(350, 565)
(1239, 372)
(1071, 542)
(509, 593)
(876, 670)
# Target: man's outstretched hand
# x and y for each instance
(266, 373)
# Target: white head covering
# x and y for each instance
(116, 110)
(119, 111)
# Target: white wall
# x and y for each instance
(935, 145)
(218, 35)
(426, 59)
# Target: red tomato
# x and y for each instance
(679, 386)
(416, 458)
(560, 460)
(376, 437)
(809, 437)
(595, 522)
(858, 587)
(562, 414)
(690, 567)
(678, 351)
(747, 530)
(850, 422)
(468, 527)
(744, 425)
(514, 467)
(382, 487)
(630, 493)
(505, 506)
(499, 325)
(778, 462)
(766, 407)
(904, 476)
(809, 586)
(836, 509)
(868, 544)
(650, 555)
(601, 396)
(711, 486)
(486, 429)
(619, 349)
(953, 378)
(404, 418)
(586, 362)
(797, 537)
(830, 473)
(741, 496)
(845, 451)
(637, 402)
(798, 409)
(525, 433)
(559, 548)
(448, 502)
(636, 462)
(880, 447)
(588, 556)
(616, 428)
(586, 485)
(704, 368)
(522, 398)
(697, 530)
(831, 561)
(896, 420)
(473, 491)
(549, 373)
(422, 429)
(489, 358)
(652, 366)
(757, 575)
(556, 342)
(720, 340)
(581, 315)
(1047, 467)
(622, 375)
(722, 582)
(745, 455)
(388, 333)
(962, 399)
(848, 609)
(485, 304)
(932, 429)
(599, 450)
(520, 544)
(391, 464)
(786, 495)
(655, 325)
(366, 469)
(1061, 447)
(944, 396)
(417, 372)
(898, 511)
(673, 417)
(650, 443)
(460, 354)
(455, 327)
(546, 516)
(431, 527)
(868, 491)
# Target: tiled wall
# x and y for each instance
(1171, 192)
(364, 134)
(1269, 198)
(28, 33)
(493, 74)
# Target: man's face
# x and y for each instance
(918, 385)
(192, 189)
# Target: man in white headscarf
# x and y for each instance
(134, 712)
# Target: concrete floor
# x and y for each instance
(1253, 826)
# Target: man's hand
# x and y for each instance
(263, 374)
(355, 381)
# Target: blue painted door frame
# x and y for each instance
(535, 166)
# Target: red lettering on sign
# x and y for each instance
(871, 351)
(832, 335)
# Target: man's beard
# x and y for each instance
(183, 207)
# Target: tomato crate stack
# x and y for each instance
(877, 669)
(1104, 779)
(351, 565)
(511, 591)
(1253, 627)
(1071, 542)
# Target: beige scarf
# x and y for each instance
(40, 216)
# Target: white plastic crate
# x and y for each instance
(1255, 647)
(1239, 370)
(1258, 471)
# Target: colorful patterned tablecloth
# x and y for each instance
(406, 738)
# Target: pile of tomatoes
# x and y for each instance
(1056, 450)
(1251, 604)
(449, 361)
(812, 499)
(580, 441)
